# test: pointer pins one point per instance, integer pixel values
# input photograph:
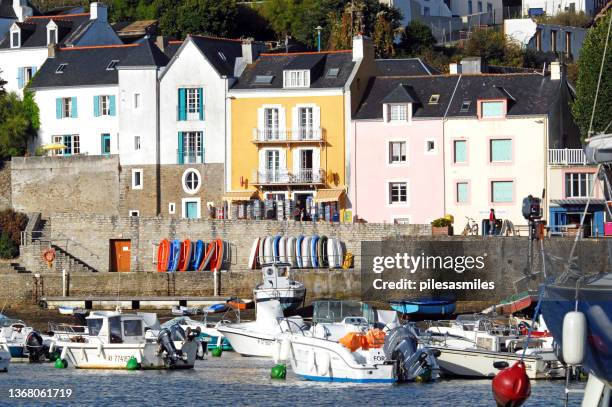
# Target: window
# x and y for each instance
(465, 106)
(66, 107)
(502, 191)
(430, 146)
(171, 208)
(271, 130)
(105, 144)
(137, 179)
(492, 109)
(104, 105)
(489, 8)
(28, 73)
(134, 213)
(112, 65)
(136, 100)
(191, 104)
(397, 152)
(114, 328)
(25, 75)
(553, 41)
(136, 142)
(15, 40)
(71, 142)
(501, 150)
(433, 99)
(132, 328)
(425, 11)
(222, 56)
(52, 36)
(480, 6)
(263, 79)
(462, 192)
(61, 68)
(332, 73)
(191, 181)
(399, 113)
(305, 119)
(94, 326)
(460, 151)
(470, 8)
(296, 79)
(398, 192)
(578, 184)
(191, 147)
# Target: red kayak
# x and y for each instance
(185, 256)
(162, 255)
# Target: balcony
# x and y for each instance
(190, 156)
(284, 136)
(566, 156)
(284, 177)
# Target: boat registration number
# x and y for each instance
(118, 358)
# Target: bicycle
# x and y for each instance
(471, 227)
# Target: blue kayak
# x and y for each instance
(275, 248)
(314, 256)
(175, 254)
(196, 255)
(298, 250)
(424, 306)
(215, 308)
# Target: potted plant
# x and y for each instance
(442, 227)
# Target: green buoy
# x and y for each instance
(278, 372)
(60, 363)
(132, 364)
(216, 352)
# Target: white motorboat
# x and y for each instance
(335, 351)
(208, 330)
(113, 338)
(23, 341)
(257, 338)
(278, 285)
(476, 346)
(5, 356)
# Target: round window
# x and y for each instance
(191, 181)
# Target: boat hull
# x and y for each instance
(5, 360)
(425, 310)
(249, 343)
(477, 364)
(290, 298)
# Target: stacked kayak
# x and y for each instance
(187, 255)
(298, 251)
(424, 308)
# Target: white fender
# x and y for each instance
(285, 349)
(574, 337)
(323, 362)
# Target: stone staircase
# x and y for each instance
(72, 264)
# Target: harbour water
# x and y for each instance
(236, 380)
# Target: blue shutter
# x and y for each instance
(58, 108)
(96, 106)
(201, 99)
(202, 145)
(33, 71)
(75, 112)
(182, 104)
(181, 159)
(20, 76)
(112, 106)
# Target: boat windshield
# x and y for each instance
(93, 326)
(336, 311)
(4, 322)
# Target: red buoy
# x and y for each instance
(511, 386)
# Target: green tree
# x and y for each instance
(19, 122)
(417, 38)
(211, 17)
(487, 44)
(589, 65)
(383, 36)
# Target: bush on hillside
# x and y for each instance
(12, 224)
(8, 249)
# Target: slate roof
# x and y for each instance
(34, 30)
(319, 63)
(380, 88)
(401, 94)
(220, 52)
(88, 65)
(530, 94)
(405, 67)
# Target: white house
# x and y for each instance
(24, 48)
(553, 7)
(13, 11)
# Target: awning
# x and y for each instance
(328, 195)
(577, 201)
(240, 196)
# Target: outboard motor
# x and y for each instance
(167, 349)
(35, 346)
(411, 363)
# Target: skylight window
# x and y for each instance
(465, 106)
(60, 69)
(332, 73)
(263, 79)
(112, 64)
(433, 99)
(222, 56)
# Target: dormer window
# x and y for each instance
(398, 113)
(60, 69)
(332, 73)
(15, 39)
(112, 64)
(433, 99)
(465, 106)
(51, 33)
(492, 109)
(296, 79)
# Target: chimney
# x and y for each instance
(555, 71)
(454, 68)
(98, 11)
(250, 51)
(362, 48)
(51, 50)
(472, 65)
(161, 42)
(21, 9)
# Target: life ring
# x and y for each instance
(49, 255)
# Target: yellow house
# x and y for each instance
(290, 116)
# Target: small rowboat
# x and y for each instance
(428, 308)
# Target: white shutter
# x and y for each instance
(282, 122)
(262, 160)
(316, 117)
(283, 159)
(316, 160)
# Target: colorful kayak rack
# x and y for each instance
(187, 255)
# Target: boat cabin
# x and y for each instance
(276, 275)
(334, 311)
(114, 327)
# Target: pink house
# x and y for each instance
(397, 162)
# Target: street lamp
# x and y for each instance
(319, 28)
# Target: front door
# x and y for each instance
(305, 166)
(191, 210)
(121, 254)
(106, 144)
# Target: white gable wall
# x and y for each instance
(13, 59)
(191, 69)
